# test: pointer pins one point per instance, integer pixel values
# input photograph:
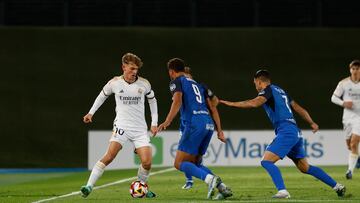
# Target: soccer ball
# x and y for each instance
(138, 189)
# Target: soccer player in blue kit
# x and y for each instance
(288, 140)
(212, 106)
(190, 99)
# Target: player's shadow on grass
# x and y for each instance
(348, 196)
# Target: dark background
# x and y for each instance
(181, 13)
(55, 56)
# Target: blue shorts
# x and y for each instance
(288, 143)
(196, 135)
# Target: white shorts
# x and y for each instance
(352, 127)
(138, 138)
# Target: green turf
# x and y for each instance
(249, 184)
(10, 179)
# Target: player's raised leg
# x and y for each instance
(99, 167)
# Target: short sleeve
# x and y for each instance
(175, 86)
(339, 91)
(208, 93)
(267, 93)
(289, 98)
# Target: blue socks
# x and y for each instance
(275, 174)
(189, 177)
(321, 175)
(313, 170)
(191, 169)
(205, 169)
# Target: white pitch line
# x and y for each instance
(105, 185)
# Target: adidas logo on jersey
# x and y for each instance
(121, 91)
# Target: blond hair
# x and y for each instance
(131, 58)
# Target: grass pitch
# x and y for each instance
(249, 184)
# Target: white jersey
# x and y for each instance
(130, 99)
(349, 91)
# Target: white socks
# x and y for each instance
(143, 174)
(99, 168)
(284, 191)
(208, 178)
(96, 173)
(221, 187)
(337, 186)
(352, 161)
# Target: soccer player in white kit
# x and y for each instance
(130, 92)
(347, 95)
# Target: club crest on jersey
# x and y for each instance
(140, 91)
(172, 87)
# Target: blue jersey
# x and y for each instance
(193, 98)
(196, 124)
(208, 93)
(277, 106)
(287, 141)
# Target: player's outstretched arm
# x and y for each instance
(253, 103)
(214, 100)
(175, 107)
(305, 115)
(215, 115)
